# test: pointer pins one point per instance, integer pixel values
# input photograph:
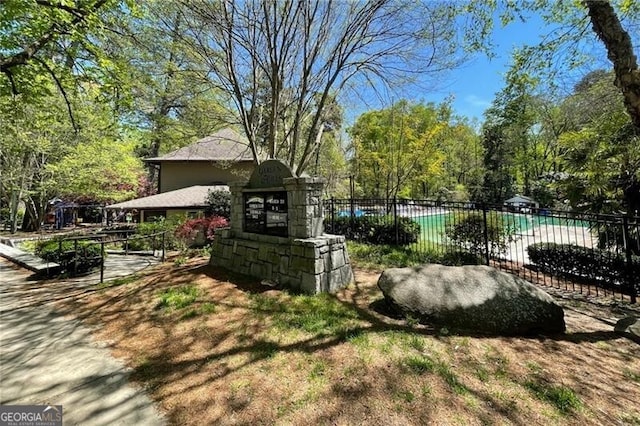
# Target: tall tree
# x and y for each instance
(498, 182)
(170, 98)
(281, 62)
(411, 150)
(573, 29)
(42, 156)
(55, 41)
(601, 149)
(617, 41)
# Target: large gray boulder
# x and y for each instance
(474, 298)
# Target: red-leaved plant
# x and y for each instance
(208, 225)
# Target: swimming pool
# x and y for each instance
(432, 226)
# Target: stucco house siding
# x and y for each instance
(181, 174)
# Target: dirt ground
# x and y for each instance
(231, 357)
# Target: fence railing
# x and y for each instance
(80, 256)
(587, 253)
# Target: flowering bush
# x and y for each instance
(206, 226)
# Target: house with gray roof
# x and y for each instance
(186, 175)
(217, 159)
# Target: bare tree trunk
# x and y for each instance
(607, 27)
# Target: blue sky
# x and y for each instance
(474, 85)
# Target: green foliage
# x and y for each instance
(403, 150)
(170, 99)
(47, 42)
(388, 256)
(467, 231)
(602, 266)
(498, 182)
(378, 255)
(561, 397)
(102, 170)
(84, 259)
(424, 364)
(178, 298)
(218, 204)
(146, 230)
(602, 151)
(319, 314)
(376, 229)
(397, 146)
(586, 141)
(119, 281)
(137, 243)
(419, 364)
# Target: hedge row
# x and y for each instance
(597, 265)
(86, 257)
(375, 229)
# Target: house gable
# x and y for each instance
(217, 159)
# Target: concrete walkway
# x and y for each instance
(46, 358)
(27, 260)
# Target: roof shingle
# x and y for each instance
(224, 145)
(192, 196)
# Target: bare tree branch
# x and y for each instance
(284, 62)
(62, 91)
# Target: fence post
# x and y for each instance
(102, 260)
(627, 248)
(333, 215)
(485, 233)
(163, 244)
(353, 209)
(395, 220)
(75, 258)
(126, 243)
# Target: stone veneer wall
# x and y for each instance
(310, 265)
(307, 260)
(304, 197)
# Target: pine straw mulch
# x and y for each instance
(231, 358)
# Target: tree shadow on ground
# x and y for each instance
(171, 360)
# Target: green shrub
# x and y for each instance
(169, 226)
(139, 243)
(85, 258)
(376, 229)
(459, 258)
(601, 266)
(387, 256)
(467, 231)
(218, 204)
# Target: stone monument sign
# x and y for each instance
(276, 232)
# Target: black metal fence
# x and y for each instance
(83, 253)
(595, 255)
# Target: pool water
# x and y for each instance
(433, 226)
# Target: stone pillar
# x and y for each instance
(306, 259)
(304, 195)
(237, 205)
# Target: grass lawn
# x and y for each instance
(214, 348)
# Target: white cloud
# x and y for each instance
(477, 101)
